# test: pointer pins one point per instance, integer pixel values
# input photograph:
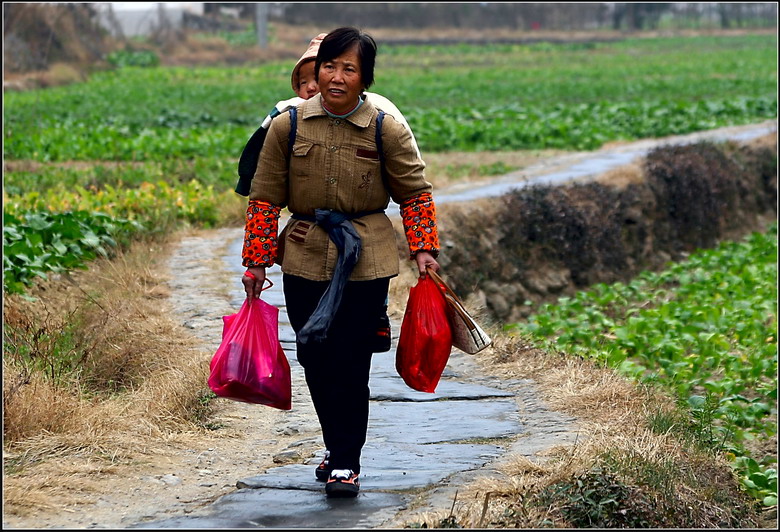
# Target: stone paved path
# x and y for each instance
(416, 441)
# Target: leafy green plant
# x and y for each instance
(569, 97)
(497, 168)
(599, 499)
(93, 176)
(156, 205)
(64, 227)
(37, 243)
(247, 37)
(706, 329)
(760, 482)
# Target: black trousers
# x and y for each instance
(337, 369)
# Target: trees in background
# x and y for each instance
(625, 16)
(38, 34)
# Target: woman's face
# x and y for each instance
(341, 81)
(307, 83)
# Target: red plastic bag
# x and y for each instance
(250, 365)
(425, 341)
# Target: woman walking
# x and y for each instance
(338, 253)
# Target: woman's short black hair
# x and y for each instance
(339, 41)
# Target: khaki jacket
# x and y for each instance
(335, 165)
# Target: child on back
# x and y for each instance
(304, 84)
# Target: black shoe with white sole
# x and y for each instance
(342, 483)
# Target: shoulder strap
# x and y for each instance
(247, 163)
(379, 119)
(293, 132)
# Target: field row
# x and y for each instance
(467, 98)
(180, 131)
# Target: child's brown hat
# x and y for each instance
(309, 55)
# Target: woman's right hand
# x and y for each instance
(253, 281)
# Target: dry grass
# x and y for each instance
(765, 141)
(137, 385)
(231, 211)
(61, 74)
(623, 176)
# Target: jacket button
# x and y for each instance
(337, 122)
(332, 180)
(334, 148)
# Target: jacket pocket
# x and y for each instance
(301, 160)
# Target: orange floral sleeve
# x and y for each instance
(418, 214)
(260, 234)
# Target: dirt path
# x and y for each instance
(190, 472)
(196, 470)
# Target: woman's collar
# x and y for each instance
(362, 117)
(345, 115)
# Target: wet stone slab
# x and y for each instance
(388, 466)
(387, 385)
(282, 508)
(393, 388)
(415, 440)
(443, 421)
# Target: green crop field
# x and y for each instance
(465, 97)
(178, 132)
(705, 329)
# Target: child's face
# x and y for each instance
(307, 84)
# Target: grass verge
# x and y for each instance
(96, 373)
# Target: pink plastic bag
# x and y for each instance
(425, 341)
(250, 365)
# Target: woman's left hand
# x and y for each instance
(425, 260)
